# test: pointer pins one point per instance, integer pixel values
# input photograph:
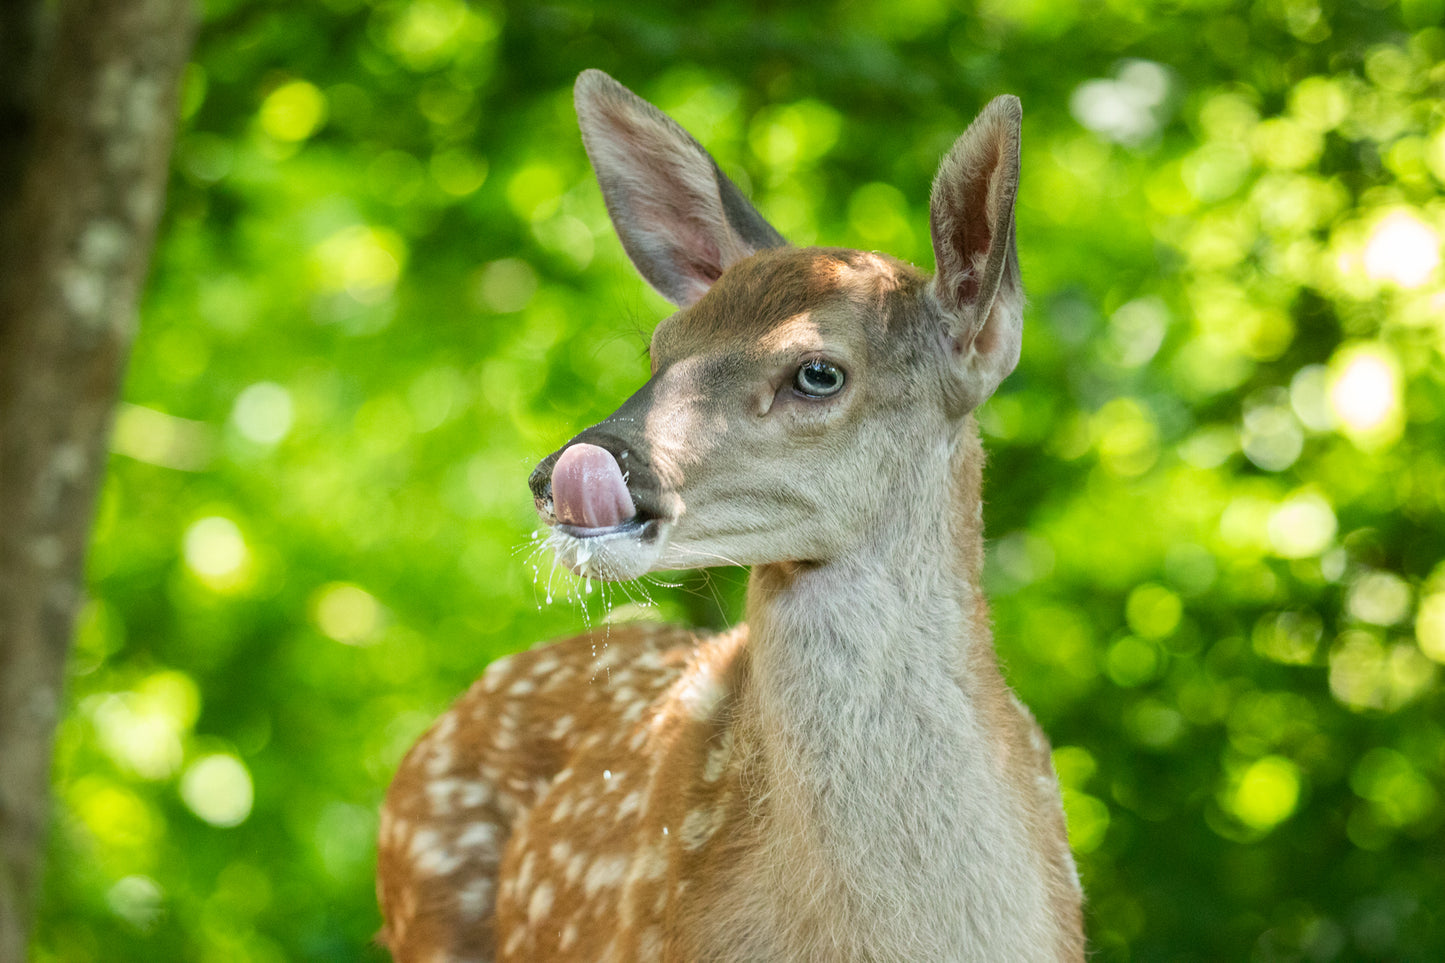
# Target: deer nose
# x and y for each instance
(588, 490)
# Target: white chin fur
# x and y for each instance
(613, 556)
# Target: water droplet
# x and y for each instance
(607, 774)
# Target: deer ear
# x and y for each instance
(972, 219)
(679, 217)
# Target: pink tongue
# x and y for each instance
(588, 490)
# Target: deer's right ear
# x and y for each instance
(679, 217)
(977, 286)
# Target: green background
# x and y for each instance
(386, 286)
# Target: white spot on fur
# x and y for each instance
(652, 864)
(717, 757)
(609, 658)
(439, 794)
(386, 828)
(496, 674)
(649, 945)
(430, 857)
(569, 937)
(474, 898)
(541, 902)
(524, 873)
(699, 825)
(606, 871)
(439, 759)
(699, 692)
(474, 794)
(424, 839)
(479, 835)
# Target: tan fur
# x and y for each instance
(847, 777)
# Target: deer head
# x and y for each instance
(801, 399)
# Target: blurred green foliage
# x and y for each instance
(387, 285)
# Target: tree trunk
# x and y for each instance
(88, 92)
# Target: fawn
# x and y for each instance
(845, 777)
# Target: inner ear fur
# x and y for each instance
(971, 220)
(681, 220)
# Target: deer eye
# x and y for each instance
(818, 379)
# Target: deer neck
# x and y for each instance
(902, 615)
(873, 709)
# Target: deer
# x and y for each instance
(845, 776)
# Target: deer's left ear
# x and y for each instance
(977, 286)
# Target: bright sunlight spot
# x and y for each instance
(217, 788)
(1087, 818)
(458, 172)
(1153, 611)
(293, 111)
(1430, 626)
(157, 438)
(347, 613)
(1364, 393)
(215, 549)
(1380, 598)
(1127, 108)
(142, 729)
(428, 33)
(1267, 793)
(1302, 526)
(137, 900)
(1367, 674)
(262, 412)
(117, 818)
(793, 135)
(365, 262)
(1403, 250)
(506, 285)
